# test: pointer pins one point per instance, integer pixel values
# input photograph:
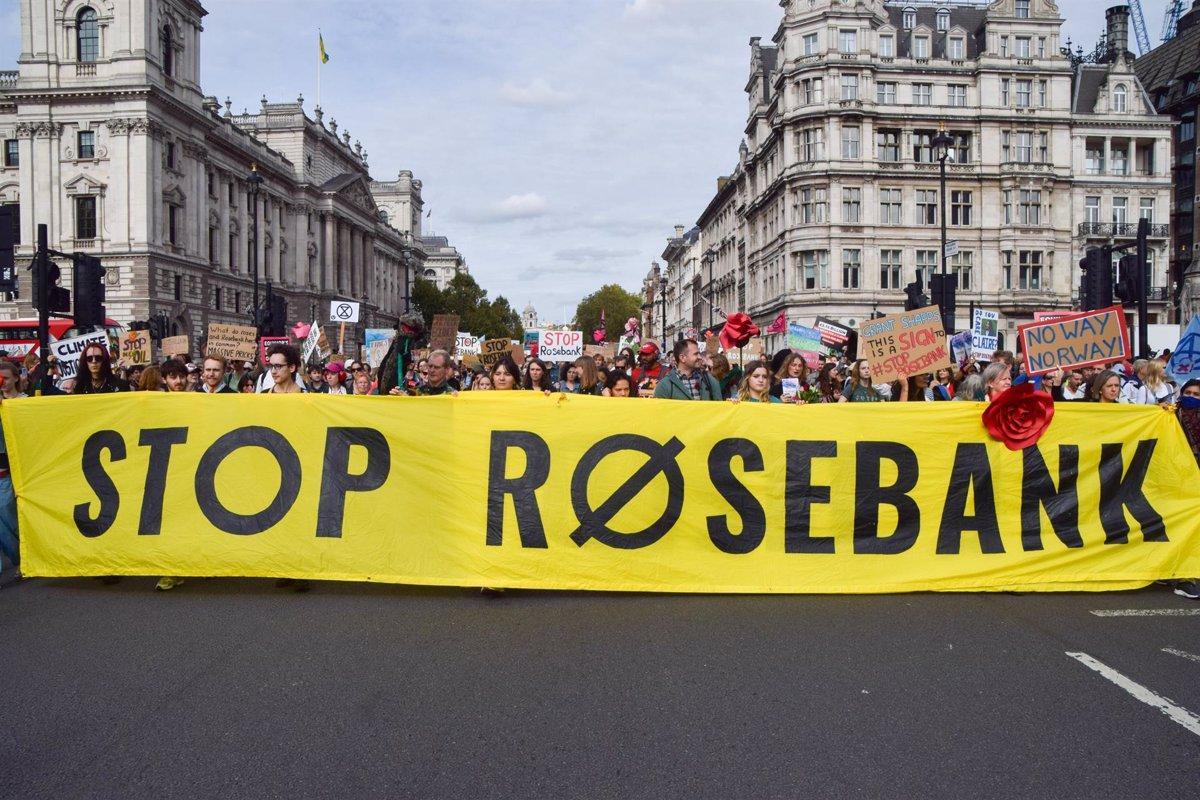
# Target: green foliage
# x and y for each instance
(491, 319)
(618, 306)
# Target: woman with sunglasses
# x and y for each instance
(94, 374)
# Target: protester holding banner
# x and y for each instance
(1105, 387)
(334, 373)
(755, 386)
(618, 384)
(537, 376)
(283, 361)
(792, 365)
(9, 540)
(649, 370)
(568, 379)
(859, 389)
(997, 379)
(589, 376)
(505, 374)
(829, 383)
(362, 383)
(212, 376)
(1188, 413)
(686, 381)
(482, 383)
(94, 375)
(175, 376)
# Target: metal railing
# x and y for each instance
(1105, 230)
(8, 78)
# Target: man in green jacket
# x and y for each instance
(686, 382)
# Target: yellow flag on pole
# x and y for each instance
(321, 48)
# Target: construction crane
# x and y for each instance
(1139, 26)
(1170, 19)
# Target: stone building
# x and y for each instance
(442, 261)
(110, 141)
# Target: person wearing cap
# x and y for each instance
(193, 376)
(334, 373)
(649, 370)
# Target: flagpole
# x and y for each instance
(318, 70)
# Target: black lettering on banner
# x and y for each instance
(521, 488)
(1061, 504)
(800, 495)
(749, 509)
(100, 482)
(971, 470)
(160, 441)
(336, 480)
(1118, 493)
(869, 495)
(289, 480)
(593, 523)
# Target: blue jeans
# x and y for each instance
(8, 521)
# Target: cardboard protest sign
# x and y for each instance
(69, 350)
(560, 345)
(909, 343)
(755, 347)
(712, 345)
(606, 350)
(470, 360)
(801, 337)
(135, 349)
(518, 353)
(375, 351)
(1185, 356)
(466, 343)
(265, 344)
(985, 334)
(493, 350)
(235, 342)
(1080, 340)
(443, 332)
(175, 345)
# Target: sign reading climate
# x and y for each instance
(514, 493)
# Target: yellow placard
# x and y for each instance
(581, 492)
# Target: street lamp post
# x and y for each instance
(255, 180)
(662, 297)
(942, 144)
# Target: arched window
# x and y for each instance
(943, 19)
(1119, 97)
(87, 35)
(909, 18)
(168, 52)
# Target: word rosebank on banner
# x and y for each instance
(569, 492)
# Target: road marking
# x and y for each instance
(1175, 712)
(1181, 653)
(1149, 612)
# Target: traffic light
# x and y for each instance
(1096, 283)
(47, 293)
(89, 292)
(943, 289)
(1127, 287)
(8, 244)
(276, 316)
(915, 297)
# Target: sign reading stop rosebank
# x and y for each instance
(343, 311)
(560, 345)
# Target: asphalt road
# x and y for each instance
(227, 688)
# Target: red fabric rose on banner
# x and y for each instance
(1019, 416)
(739, 329)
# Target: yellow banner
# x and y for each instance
(579, 492)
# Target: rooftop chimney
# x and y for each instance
(678, 231)
(1118, 31)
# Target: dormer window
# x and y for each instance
(957, 48)
(87, 36)
(887, 46)
(910, 18)
(848, 41)
(920, 47)
(1119, 98)
(1022, 9)
(943, 19)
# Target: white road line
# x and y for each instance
(1149, 612)
(1181, 653)
(1176, 713)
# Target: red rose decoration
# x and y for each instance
(738, 331)
(1019, 416)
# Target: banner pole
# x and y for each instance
(341, 336)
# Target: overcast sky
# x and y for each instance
(559, 141)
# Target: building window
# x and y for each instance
(849, 86)
(890, 269)
(960, 208)
(887, 46)
(1022, 9)
(1146, 209)
(909, 19)
(943, 19)
(814, 269)
(923, 147)
(922, 94)
(1030, 264)
(1024, 93)
(87, 36)
(960, 265)
(1004, 91)
(85, 217)
(1187, 127)
(848, 41)
(178, 287)
(850, 142)
(851, 206)
(810, 145)
(956, 95)
(926, 207)
(887, 142)
(87, 144)
(1091, 209)
(885, 93)
(1120, 210)
(1042, 91)
(217, 298)
(958, 48)
(926, 265)
(168, 50)
(810, 44)
(212, 245)
(212, 184)
(237, 302)
(1029, 207)
(173, 224)
(1016, 146)
(1120, 160)
(920, 47)
(1145, 160)
(960, 149)
(170, 155)
(12, 153)
(812, 91)
(813, 205)
(1041, 47)
(851, 264)
(1004, 47)
(233, 248)
(1094, 160)
(890, 207)
(1022, 47)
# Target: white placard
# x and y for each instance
(466, 344)
(69, 350)
(343, 311)
(310, 344)
(560, 345)
(985, 337)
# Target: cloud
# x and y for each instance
(645, 8)
(538, 93)
(592, 254)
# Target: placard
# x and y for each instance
(629, 341)
(135, 349)
(560, 345)
(235, 342)
(443, 332)
(311, 342)
(1080, 340)
(712, 346)
(518, 353)
(606, 350)
(175, 345)
(1046, 316)
(909, 343)
(375, 351)
(985, 334)
(801, 337)
(265, 344)
(68, 351)
(1185, 356)
(755, 347)
(531, 343)
(960, 347)
(834, 335)
(465, 343)
(493, 350)
(343, 311)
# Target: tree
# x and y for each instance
(618, 306)
(491, 319)
(427, 299)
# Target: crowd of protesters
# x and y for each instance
(688, 372)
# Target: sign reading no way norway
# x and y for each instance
(343, 311)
